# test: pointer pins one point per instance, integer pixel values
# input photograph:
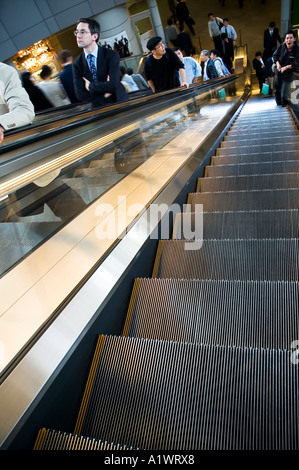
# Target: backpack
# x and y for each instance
(220, 24)
(223, 66)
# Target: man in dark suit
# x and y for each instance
(66, 76)
(209, 69)
(96, 70)
(183, 15)
(259, 68)
(271, 38)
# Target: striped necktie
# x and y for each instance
(92, 67)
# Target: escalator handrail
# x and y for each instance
(105, 112)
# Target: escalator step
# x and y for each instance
(258, 148)
(264, 118)
(161, 395)
(245, 200)
(247, 259)
(262, 140)
(262, 125)
(254, 314)
(256, 168)
(248, 183)
(239, 225)
(252, 157)
(236, 134)
(50, 439)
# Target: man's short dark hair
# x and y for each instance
(45, 72)
(94, 26)
(272, 24)
(215, 51)
(226, 19)
(291, 32)
(64, 55)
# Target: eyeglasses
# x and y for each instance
(161, 44)
(82, 32)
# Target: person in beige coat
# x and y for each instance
(16, 108)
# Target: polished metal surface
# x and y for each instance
(42, 282)
(206, 358)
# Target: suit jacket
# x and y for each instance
(66, 78)
(107, 66)
(271, 41)
(16, 108)
(258, 67)
(182, 11)
(211, 69)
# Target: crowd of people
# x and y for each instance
(273, 65)
(96, 75)
(214, 63)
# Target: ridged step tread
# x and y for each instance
(264, 117)
(255, 314)
(243, 169)
(244, 259)
(245, 200)
(239, 225)
(262, 140)
(252, 157)
(258, 148)
(235, 134)
(50, 439)
(248, 183)
(161, 395)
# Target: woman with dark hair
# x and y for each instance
(54, 91)
(37, 97)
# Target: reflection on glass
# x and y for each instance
(32, 214)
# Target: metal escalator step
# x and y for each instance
(245, 157)
(244, 259)
(263, 122)
(262, 129)
(161, 395)
(245, 200)
(50, 439)
(254, 314)
(258, 148)
(240, 135)
(262, 140)
(239, 225)
(264, 117)
(248, 183)
(239, 169)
